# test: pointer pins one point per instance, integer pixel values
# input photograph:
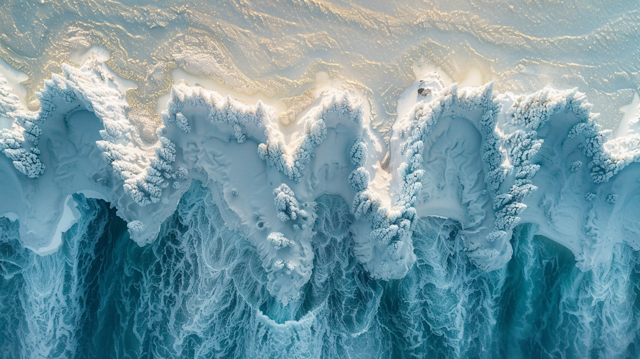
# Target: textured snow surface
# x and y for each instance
(235, 235)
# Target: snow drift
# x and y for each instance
(489, 161)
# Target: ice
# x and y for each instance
(630, 118)
(70, 215)
(179, 75)
(14, 80)
(450, 156)
(319, 180)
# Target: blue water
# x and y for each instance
(199, 292)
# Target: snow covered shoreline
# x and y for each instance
(487, 160)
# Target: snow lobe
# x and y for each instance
(486, 160)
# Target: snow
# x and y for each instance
(473, 79)
(101, 55)
(180, 76)
(14, 79)
(629, 123)
(70, 216)
(488, 160)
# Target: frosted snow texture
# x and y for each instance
(490, 198)
(490, 163)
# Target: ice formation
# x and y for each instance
(279, 220)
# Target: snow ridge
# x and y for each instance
(243, 155)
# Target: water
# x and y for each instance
(199, 292)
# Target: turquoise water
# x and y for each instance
(199, 292)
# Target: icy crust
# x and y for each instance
(82, 121)
(486, 160)
(15, 142)
(584, 200)
(483, 158)
(265, 182)
(440, 170)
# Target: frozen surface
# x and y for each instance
(363, 192)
